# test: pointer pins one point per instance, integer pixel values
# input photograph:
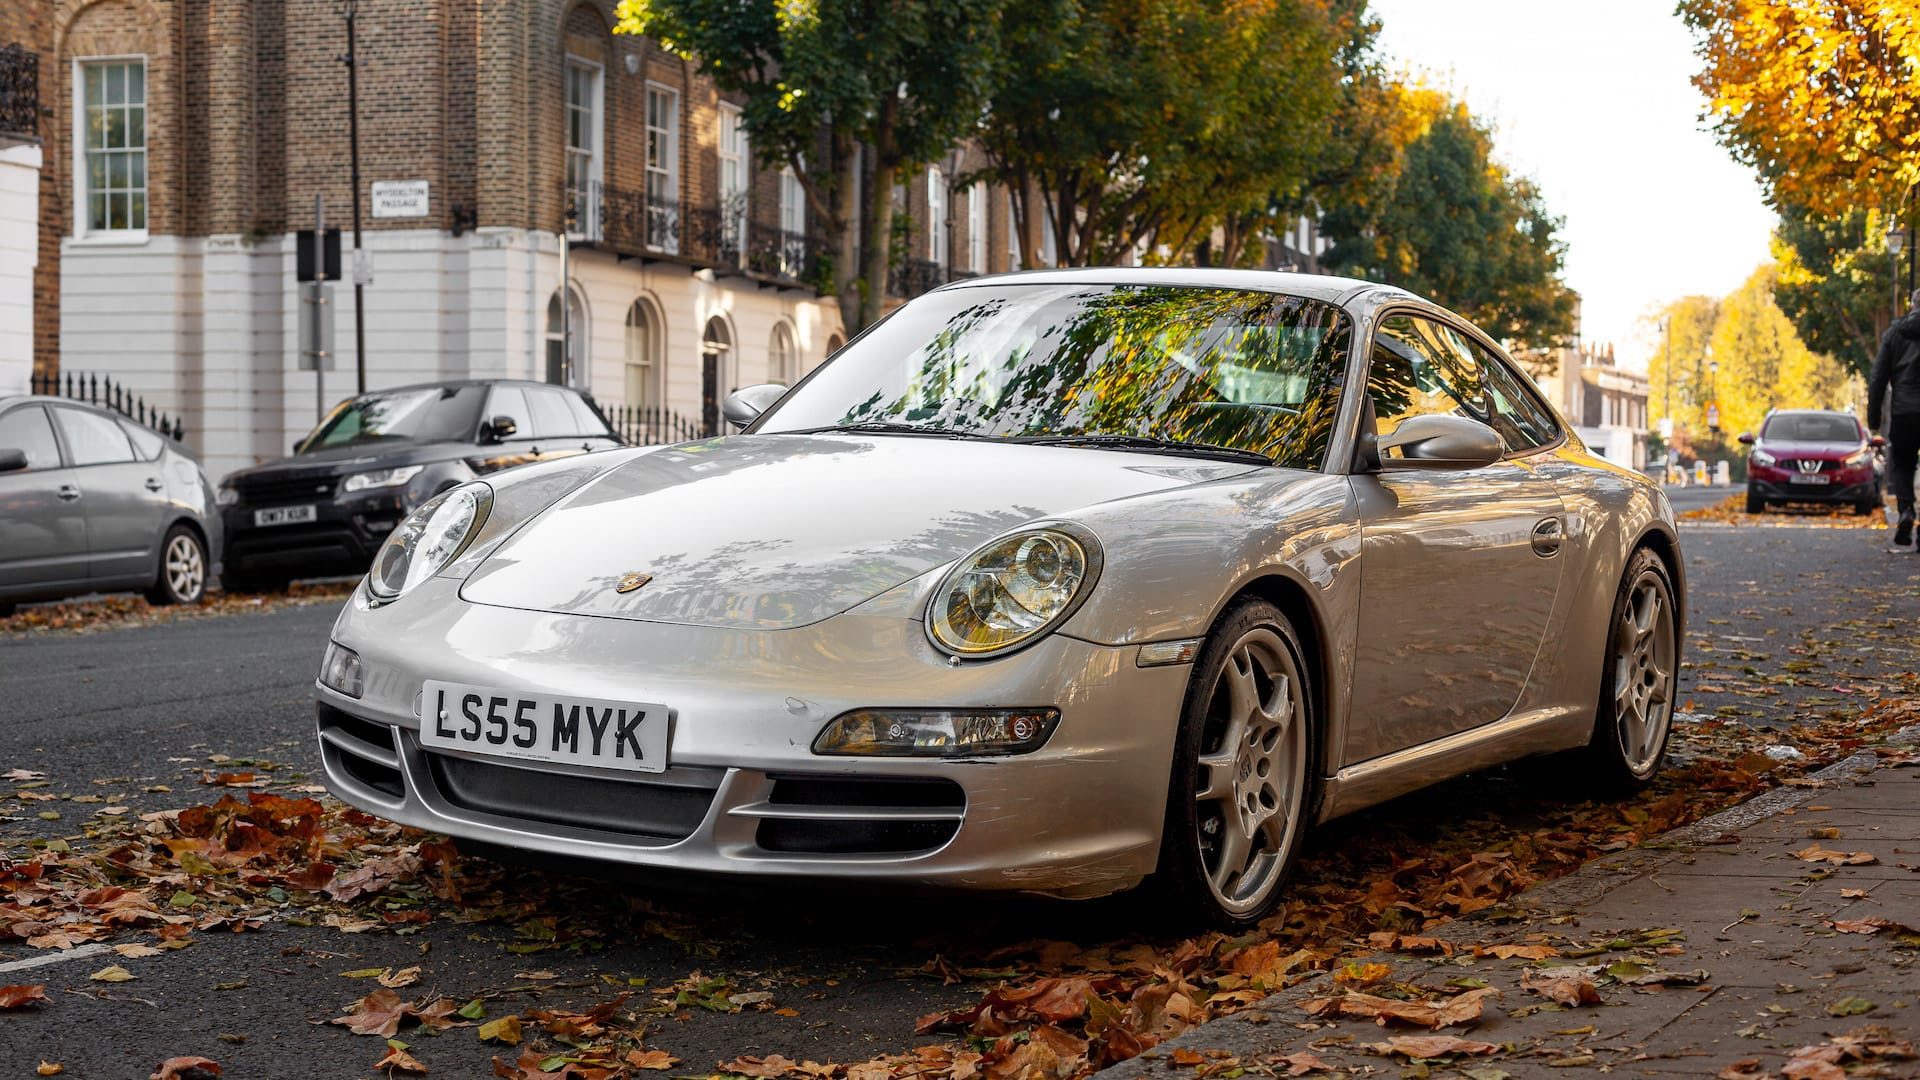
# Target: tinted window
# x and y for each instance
(551, 417)
(1421, 367)
(93, 439)
(428, 415)
(28, 429)
(146, 444)
(1812, 427)
(511, 402)
(1246, 370)
(586, 421)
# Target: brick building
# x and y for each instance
(184, 141)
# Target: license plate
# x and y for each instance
(283, 515)
(1807, 478)
(630, 735)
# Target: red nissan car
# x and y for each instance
(1812, 456)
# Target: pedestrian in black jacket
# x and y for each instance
(1893, 395)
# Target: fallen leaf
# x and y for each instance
(113, 973)
(1459, 1009)
(651, 1059)
(1300, 1063)
(1851, 1006)
(187, 1068)
(767, 1067)
(1816, 853)
(49, 1068)
(1571, 986)
(406, 976)
(398, 1060)
(136, 951)
(19, 997)
(1431, 1046)
(1520, 952)
(504, 1030)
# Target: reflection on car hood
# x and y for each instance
(1783, 448)
(775, 531)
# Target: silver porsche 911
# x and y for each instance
(1056, 581)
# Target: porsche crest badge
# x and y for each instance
(632, 581)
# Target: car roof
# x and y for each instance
(1324, 287)
(449, 383)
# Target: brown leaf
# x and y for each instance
(398, 1060)
(651, 1059)
(1744, 1069)
(506, 1030)
(1572, 986)
(394, 980)
(767, 1067)
(187, 1068)
(20, 996)
(1459, 1009)
(1520, 952)
(1816, 853)
(49, 1068)
(382, 1012)
(1431, 1046)
(1872, 924)
(1300, 1063)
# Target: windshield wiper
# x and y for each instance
(890, 427)
(1147, 442)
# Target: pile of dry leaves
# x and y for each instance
(1733, 511)
(130, 609)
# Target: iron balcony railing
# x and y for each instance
(101, 390)
(19, 95)
(627, 222)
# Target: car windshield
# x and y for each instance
(1123, 366)
(427, 415)
(1812, 427)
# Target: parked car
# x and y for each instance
(93, 502)
(1813, 456)
(326, 509)
(1058, 581)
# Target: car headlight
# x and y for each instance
(225, 495)
(1761, 457)
(430, 538)
(381, 478)
(1854, 461)
(1012, 591)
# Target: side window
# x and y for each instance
(551, 417)
(146, 444)
(511, 402)
(92, 439)
(28, 429)
(586, 421)
(1517, 414)
(1415, 372)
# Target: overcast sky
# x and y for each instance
(1592, 100)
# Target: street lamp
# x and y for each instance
(1896, 239)
(350, 10)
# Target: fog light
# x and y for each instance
(340, 671)
(937, 732)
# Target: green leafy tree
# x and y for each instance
(1457, 227)
(1836, 281)
(904, 78)
(1153, 121)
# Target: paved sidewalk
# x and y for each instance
(1712, 951)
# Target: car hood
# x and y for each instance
(777, 531)
(352, 459)
(1782, 448)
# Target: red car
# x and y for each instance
(1812, 456)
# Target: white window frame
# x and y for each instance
(793, 223)
(977, 227)
(783, 368)
(736, 154)
(670, 169)
(653, 369)
(587, 226)
(937, 247)
(81, 232)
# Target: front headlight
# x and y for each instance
(381, 478)
(430, 538)
(1761, 457)
(1012, 591)
(226, 495)
(1856, 460)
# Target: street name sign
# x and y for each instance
(400, 198)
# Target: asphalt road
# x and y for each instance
(116, 713)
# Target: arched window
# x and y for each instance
(567, 340)
(834, 343)
(716, 372)
(783, 356)
(645, 346)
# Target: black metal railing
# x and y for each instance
(19, 94)
(911, 277)
(649, 425)
(628, 223)
(784, 256)
(101, 390)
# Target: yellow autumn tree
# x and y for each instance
(1764, 364)
(1822, 97)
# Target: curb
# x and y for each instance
(1243, 1033)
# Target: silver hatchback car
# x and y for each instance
(93, 502)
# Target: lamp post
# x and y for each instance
(1713, 392)
(1896, 239)
(349, 9)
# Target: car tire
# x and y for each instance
(7, 610)
(1755, 504)
(1242, 775)
(1639, 678)
(182, 578)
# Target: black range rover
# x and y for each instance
(327, 509)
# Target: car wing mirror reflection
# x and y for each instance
(501, 428)
(1437, 441)
(745, 405)
(12, 460)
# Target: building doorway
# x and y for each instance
(566, 340)
(716, 356)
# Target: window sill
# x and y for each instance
(127, 238)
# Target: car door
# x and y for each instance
(124, 498)
(1458, 567)
(43, 530)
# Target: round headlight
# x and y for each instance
(429, 539)
(1012, 591)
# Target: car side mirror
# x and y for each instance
(502, 427)
(12, 460)
(745, 405)
(1438, 441)
(1746, 438)
(1876, 442)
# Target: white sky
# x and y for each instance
(1591, 99)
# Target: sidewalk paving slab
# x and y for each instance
(1741, 907)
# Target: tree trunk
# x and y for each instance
(846, 240)
(879, 253)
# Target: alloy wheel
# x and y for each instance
(1643, 673)
(186, 570)
(1251, 771)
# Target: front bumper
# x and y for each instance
(343, 538)
(1852, 486)
(744, 794)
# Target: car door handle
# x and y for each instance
(1547, 537)
(154, 484)
(68, 492)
